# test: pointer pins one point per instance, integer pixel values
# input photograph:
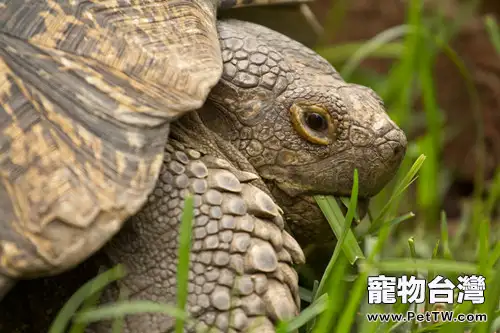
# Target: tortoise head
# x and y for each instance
(301, 126)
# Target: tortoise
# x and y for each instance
(256, 124)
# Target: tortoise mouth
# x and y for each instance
(304, 217)
(362, 205)
(332, 175)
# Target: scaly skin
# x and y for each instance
(241, 274)
(265, 75)
(255, 124)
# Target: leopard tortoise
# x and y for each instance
(90, 91)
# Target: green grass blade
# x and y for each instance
(461, 308)
(314, 291)
(184, 252)
(428, 187)
(431, 274)
(494, 255)
(493, 31)
(335, 218)
(400, 188)
(447, 254)
(358, 290)
(346, 201)
(484, 244)
(369, 47)
(349, 311)
(119, 322)
(411, 246)
(336, 287)
(463, 225)
(123, 308)
(338, 54)
(493, 195)
(335, 17)
(437, 265)
(402, 307)
(89, 302)
(390, 224)
(306, 294)
(346, 229)
(307, 315)
(87, 290)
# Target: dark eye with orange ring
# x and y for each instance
(313, 122)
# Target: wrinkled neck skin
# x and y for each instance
(194, 132)
(284, 113)
(303, 217)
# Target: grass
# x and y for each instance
(409, 233)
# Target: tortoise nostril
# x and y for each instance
(392, 151)
(398, 150)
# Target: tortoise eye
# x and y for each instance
(314, 123)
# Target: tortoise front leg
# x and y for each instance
(241, 274)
